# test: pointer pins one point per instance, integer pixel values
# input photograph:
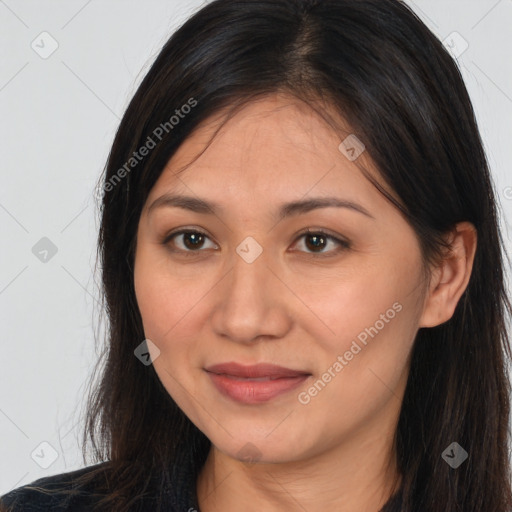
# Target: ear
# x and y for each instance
(450, 277)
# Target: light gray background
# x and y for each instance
(59, 116)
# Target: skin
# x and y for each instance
(288, 307)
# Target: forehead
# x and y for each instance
(276, 146)
(268, 127)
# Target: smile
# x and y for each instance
(254, 384)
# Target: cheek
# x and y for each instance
(375, 331)
(372, 317)
(173, 312)
(163, 298)
(358, 305)
(167, 310)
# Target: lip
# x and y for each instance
(256, 383)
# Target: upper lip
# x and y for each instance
(254, 371)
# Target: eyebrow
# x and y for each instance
(197, 205)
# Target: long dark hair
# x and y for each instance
(375, 64)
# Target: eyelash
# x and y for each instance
(343, 244)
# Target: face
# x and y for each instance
(240, 284)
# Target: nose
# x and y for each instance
(252, 302)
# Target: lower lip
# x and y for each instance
(255, 391)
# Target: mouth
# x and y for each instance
(254, 384)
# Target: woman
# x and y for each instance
(303, 276)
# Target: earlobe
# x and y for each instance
(451, 277)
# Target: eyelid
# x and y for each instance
(343, 243)
(167, 238)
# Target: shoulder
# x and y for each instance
(51, 493)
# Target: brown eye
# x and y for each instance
(193, 240)
(188, 240)
(317, 241)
